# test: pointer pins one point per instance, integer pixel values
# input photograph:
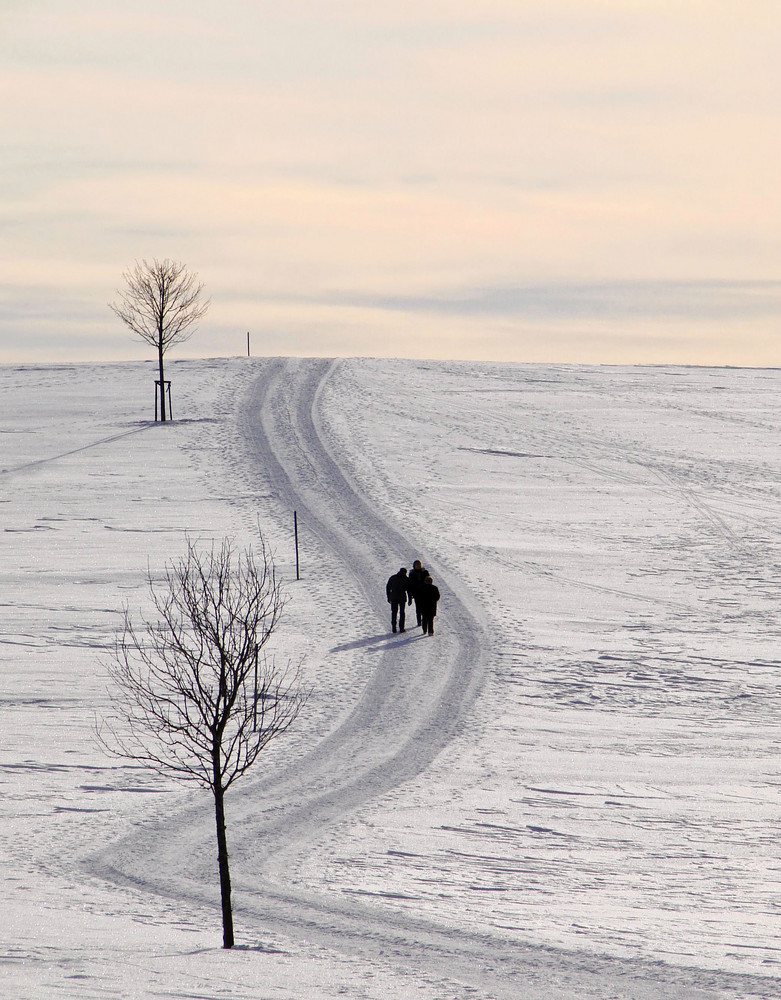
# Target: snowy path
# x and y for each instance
(414, 701)
(417, 695)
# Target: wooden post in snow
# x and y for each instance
(295, 532)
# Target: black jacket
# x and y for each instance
(416, 578)
(397, 587)
(427, 598)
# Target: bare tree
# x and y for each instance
(161, 303)
(194, 697)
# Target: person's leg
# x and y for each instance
(394, 612)
(402, 619)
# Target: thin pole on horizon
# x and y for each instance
(248, 354)
(295, 532)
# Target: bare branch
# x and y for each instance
(161, 302)
(185, 682)
(194, 695)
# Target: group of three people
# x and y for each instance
(402, 590)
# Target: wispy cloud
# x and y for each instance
(659, 300)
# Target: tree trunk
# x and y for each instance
(225, 878)
(162, 383)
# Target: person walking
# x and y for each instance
(428, 597)
(397, 592)
(417, 577)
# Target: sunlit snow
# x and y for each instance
(571, 789)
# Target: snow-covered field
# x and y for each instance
(571, 790)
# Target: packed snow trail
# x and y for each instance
(399, 725)
(395, 730)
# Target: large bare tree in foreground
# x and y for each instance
(194, 696)
(162, 301)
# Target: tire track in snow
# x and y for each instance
(396, 729)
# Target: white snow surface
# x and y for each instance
(570, 790)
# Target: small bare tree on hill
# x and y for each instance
(161, 303)
(193, 695)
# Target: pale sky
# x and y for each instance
(592, 181)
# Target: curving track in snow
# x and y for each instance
(394, 731)
(397, 728)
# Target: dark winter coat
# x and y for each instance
(397, 587)
(417, 577)
(427, 598)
